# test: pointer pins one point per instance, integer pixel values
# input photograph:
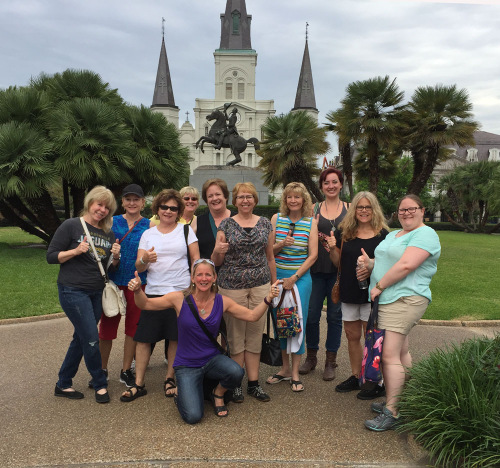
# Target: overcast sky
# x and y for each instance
(418, 42)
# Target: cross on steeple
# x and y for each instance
(187, 116)
(307, 33)
(162, 26)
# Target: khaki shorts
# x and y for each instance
(401, 316)
(245, 336)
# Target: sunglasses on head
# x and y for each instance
(203, 260)
(190, 198)
(173, 209)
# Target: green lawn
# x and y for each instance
(466, 285)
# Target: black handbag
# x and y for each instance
(271, 350)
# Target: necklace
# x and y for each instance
(200, 307)
(332, 221)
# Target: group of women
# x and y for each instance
(186, 277)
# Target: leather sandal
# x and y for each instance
(169, 384)
(140, 391)
(219, 409)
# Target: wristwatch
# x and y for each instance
(119, 257)
(377, 285)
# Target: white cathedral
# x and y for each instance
(235, 64)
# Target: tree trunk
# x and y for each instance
(426, 171)
(373, 165)
(46, 214)
(346, 152)
(418, 165)
(67, 207)
(78, 195)
(9, 214)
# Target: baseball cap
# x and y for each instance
(133, 189)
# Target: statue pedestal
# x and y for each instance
(231, 175)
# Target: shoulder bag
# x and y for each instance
(336, 286)
(372, 353)
(208, 383)
(113, 299)
(270, 353)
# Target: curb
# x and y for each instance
(35, 318)
(442, 323)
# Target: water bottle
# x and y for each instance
(363, 284)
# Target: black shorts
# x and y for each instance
(156, 325)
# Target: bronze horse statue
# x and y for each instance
(234, 141)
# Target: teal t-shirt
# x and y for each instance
(390, 250)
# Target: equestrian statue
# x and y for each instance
(224, 134)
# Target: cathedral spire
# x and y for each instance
(304, 99)
(235, 26)
(163, 94)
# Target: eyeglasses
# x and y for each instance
(363, 208)
(203, 260)
(190, 198)
(244, 197)
(173, 209)
(411, 210)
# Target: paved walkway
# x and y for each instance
(318, 427)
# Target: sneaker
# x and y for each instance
(371, 393)
(382, 422)
(352, 383)
(91, 381)
(378, 406)
(258, 393)
(238, 395)
(127, 377)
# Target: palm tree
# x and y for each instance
(346, 149)
(92, 145)
(159, 159)
(369, 115)
(25, 173)
(289, 152)
(436, 117)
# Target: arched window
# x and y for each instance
(494, 154)
(229, 90)
(217, 159)
(241, 90)
(236, 21)
(472, 155)
(249, 160)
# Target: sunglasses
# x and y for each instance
(173, 209)
(203, 260)
(190, 198)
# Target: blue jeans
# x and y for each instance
(190, 401)
(83, 308)
(322, 284)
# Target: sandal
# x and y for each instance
(219, 409)
(169, 384)
(297, 383)
(276, 378)
(139, 391)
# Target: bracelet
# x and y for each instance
(295, 274)
(267, 302)
(143, 262)
(380, 288)
(117, 258)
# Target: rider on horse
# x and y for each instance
(230, 126)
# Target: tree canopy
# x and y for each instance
(68, 132)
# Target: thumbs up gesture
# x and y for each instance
(83, 246)
(150, 256)
(331, 241)
(115, 250)
(365, 262)
(221, 246)
(135, 283)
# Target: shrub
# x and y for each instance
(452, 404)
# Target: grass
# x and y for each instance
(465, 286)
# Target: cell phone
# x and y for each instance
(292, 229)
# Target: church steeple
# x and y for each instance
(164, 94)
(235, 26)
(304, 99)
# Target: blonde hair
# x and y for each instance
(197, 263)
(349, 224)
(299, 188)
(189, 191)
(101, 194)
(245, 187)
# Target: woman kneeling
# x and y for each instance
(197, 355)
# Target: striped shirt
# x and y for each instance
(293, 256)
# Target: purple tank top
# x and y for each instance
(194, 348)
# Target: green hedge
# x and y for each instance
(452, 404)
